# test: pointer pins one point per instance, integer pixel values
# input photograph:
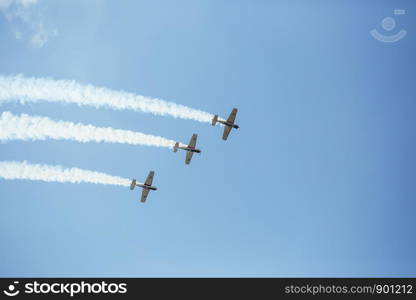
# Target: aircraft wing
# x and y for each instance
(232, 116)
(227, 130)
(149, 178)
(188, 157)
(145, 192)
(192, 142)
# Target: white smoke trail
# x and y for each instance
(25, 127)
(26, 171)
(21, 88)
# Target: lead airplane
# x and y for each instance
(147, 186)
(229, 124)
(190, 148)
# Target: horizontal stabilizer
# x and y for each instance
(214, 120)
(133, 184)
(175, 148)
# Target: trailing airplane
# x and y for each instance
(229, 124)
(147, 186)
(190, 148)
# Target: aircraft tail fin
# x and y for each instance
(214, 120)
(175, 148)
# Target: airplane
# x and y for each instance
(147, 186)
(190, 148)
(229, 124)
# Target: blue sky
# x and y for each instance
(319, 180)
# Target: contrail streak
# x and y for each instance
(25, 127)
(13, 88)
(26, 171)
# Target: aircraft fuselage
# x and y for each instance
(235, 126)
(147, 187)
(190, 149)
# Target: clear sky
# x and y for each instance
(319, 180)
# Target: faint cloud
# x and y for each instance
(26, 24)
(18, 35)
